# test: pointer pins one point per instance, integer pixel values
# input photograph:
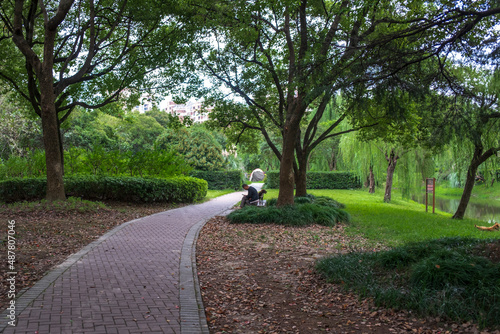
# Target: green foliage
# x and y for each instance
(218, 180)
(444, 277)
(320, 180)
(19, 131)
(306, 211)
(98, 161)
(198, 147)
(177, 189)
(31, 165)
(131, 131)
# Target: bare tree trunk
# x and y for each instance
(332, 162)
(53, 160)
(469, 183)
(478, 158)
(287, 180)
(371, 182)
(50, 124)
(393, 160)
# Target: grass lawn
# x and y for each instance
(216, 193)
(398, 222)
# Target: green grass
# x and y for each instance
(398, 222)
(211, 194)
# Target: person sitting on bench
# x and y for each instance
(252, 195)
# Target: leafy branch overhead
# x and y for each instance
(288, 59)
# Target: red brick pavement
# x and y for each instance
(128, 283)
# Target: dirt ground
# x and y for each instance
(261, 279)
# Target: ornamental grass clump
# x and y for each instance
(449, 278)
(306, 211)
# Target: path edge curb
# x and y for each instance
(192, 310)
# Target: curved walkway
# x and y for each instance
(138, 278)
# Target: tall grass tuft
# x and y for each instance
(445, 277)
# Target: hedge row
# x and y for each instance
(172, 190)
(218, 180)
(320, 180)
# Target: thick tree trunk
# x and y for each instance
(478, 158)
(287, 179)
(371, 181)
(50, 124)
(55, 185)
(393, 160)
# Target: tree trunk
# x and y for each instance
(371, 181)
(469, 183)
(301, 178)
(332, 163)
(50, 124)
(287, 180)
(393, 160)
(55, 184)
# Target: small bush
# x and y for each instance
(219, 180)
(444, 278)
(305, 212)
(177, 189)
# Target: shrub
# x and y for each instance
(219, 180)
(305, 212)
(177, 189)
(22, 189)
(320, 180)
(445, 278)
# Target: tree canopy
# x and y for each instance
(284, 59)
(68, 53)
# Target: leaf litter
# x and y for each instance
(261, 279)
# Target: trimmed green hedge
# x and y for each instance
(320, 180)
(177, 189)
(218, 180)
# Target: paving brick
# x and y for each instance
(133, 272)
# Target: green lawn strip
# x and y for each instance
(211, 194)
(400, 221)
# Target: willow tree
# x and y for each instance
(284, 59)
(67, 53)
(471, 120)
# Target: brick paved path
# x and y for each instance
(128, 281)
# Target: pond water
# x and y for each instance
(484, 211)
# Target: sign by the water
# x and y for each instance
(430, 188)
